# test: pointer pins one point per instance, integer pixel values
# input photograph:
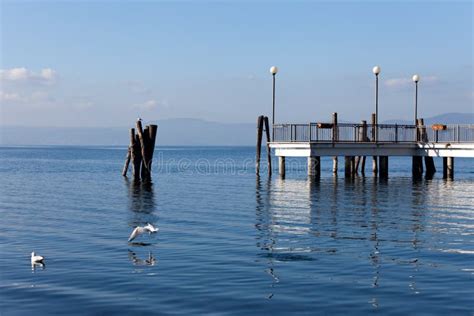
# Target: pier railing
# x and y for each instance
(383, 133)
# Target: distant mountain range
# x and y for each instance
(447, 118)
(189, 132)
(185, 132)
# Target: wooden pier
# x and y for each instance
(352, 141)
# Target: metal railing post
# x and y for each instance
(396, 133)
(459, 130)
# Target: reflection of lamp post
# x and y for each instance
(376, 71)
(415, 79)
(273, 71)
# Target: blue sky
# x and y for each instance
(105, 63)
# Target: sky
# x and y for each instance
(104, 63)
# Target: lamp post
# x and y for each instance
(273, 71)
(415, 79)
(376, 71)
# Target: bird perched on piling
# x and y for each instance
(148, 228)
(36, 259)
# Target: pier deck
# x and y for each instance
(310, 149)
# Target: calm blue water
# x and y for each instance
(230, 243)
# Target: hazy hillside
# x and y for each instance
(447, 118)
(170, 132)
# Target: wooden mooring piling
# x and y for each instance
(140, 152)
(263, 125)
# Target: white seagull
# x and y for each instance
(140, 230)
(36, 259)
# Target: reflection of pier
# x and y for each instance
(352, 141)
(333, 221)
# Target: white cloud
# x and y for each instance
(404, 82)
(48, 74)
(34, 97)
(44, 76)
(10, 97)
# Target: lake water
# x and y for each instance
(230, 243)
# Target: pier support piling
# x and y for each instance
(365, 139)
(417, 166)
(430, 167)
(259, 142)
(335, 137)
(429, 162)
(357, 164)
(353, 166)
(362, 165)
(334, 165)
(383, 166)
(281, 166)
(448, 168)
(348, 166)
(375, 168)
(374, 158)
(314, 166)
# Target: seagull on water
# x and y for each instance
(140, 230)
(36, 259)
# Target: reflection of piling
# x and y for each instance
(140, 152)
(141, 198)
